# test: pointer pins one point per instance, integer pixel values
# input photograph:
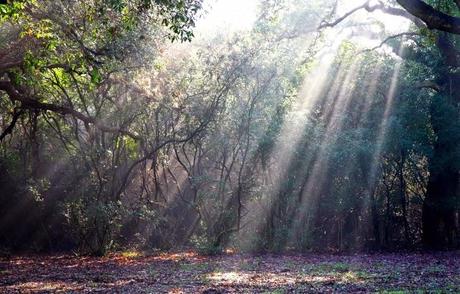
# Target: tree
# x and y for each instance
(40, 43)
(440, 204)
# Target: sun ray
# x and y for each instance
(292, 130)
(381, 135)
(313, 184)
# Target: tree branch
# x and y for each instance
(11, 126)
(433, 18)
(371, 8)
(428, 85)
(325, 24)
(27, 102)
(390, 38)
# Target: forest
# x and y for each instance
(218, 146)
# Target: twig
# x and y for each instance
(388, 39)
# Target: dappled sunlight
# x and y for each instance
(65, 286)
(183, 273)
(261, 278)
(46, 286)
(179, 256)
(281, 279)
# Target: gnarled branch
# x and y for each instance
(29, 103)
(390, 38)
(371, 8)
(433, 18)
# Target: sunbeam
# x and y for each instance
(316, 179)
(292, 129)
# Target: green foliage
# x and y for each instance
(13, 11)
(94, 224)
(206, 246)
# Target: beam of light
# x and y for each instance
(314, 87)
(316, 179)
(382, 134)
(367, 92)
(291, 133)
(383, 127)
(312, 188)
(293, 128)
(364, 112)
(370, 90)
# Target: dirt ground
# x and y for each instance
(188, 272)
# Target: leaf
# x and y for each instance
(96, 76)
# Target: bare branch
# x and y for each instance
(390, 38)
(325, 24)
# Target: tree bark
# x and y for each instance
(439, 207)
(433, 18)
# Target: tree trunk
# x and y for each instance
(439, 207)
(439, 210)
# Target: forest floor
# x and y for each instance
(187, 272)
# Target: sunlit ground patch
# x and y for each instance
(46, 286)
(180, 256)
(251, 278)
(64, 286)
(132, 254)
(261, 278)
